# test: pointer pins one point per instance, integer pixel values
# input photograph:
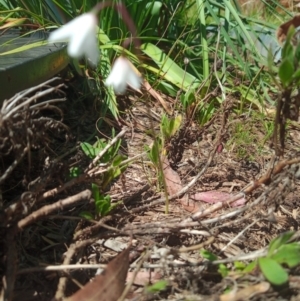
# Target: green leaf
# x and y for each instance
(95, 192)
(203, 36)
(273, 271)
(86, 214)
(154, 152)
(188, 98)
(74, 172)
(279, 241)
(296, 75)
(170, 126)
(223, 270)
(118, 159)
(250, 267)
(287, 51)
(103, 205)
(164, 126)
(286, 71)
(155, 7)
(240, 266)
(171, 71)
(297, 53)
(288, 254)
(208, 255)
(102, 37)
(25, 47)
(175, 125)
(157, 287)
(89, 150)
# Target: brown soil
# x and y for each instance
(40, 204)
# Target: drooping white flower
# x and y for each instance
(122, 74)
(81, 35)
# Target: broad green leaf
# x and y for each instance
(86, 214)
(296, 75)
(103, 205)
(239, 265)
(155, 7)
(95, 192)
(287, 51)
(250, 267)
(286, 71)
(154, 153)
(297, 53)
(273, 271)
(208, 255)
(100, 143)
(223, 270)
(102, 37)
(165, 126)
(114, 173)
(188, 98)
(171, 71)
(279, 241)
(157, 287)
(204, 44)
(118, 160)
(288, 254)
(288, 40)
(170, 126)
(175, 124)
(74, 172)
(89, 150)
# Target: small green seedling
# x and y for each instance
(111, 156)
(280, 252)
(92, 151)
(74, 172)
(157, 287)
(222, 268)
(169, 126)
(103, 204)
(114, 169)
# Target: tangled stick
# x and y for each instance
(60, 205)
(265, 179)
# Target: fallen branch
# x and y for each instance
(48, 209)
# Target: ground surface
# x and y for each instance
(228, 156)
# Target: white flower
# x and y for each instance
(81, 35)
(122, 74)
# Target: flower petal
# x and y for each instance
(81, 33)
(76, 46)
(61, 34)
(118, 84)
(92, 49)
(121, 75)
(134, 80)
(120, 88)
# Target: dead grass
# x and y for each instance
(42, 236)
